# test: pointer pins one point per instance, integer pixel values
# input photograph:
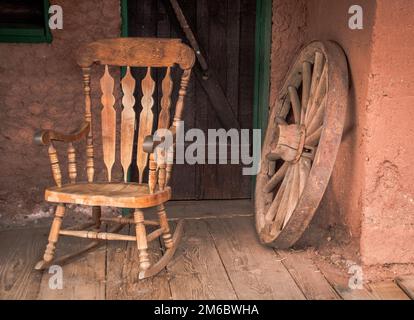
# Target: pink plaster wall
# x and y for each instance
(328, 20)
(388, 205)
(41, 87)
(288, 35)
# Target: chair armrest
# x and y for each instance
(45, 137)
(149, 144)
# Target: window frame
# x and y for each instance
(29, 35)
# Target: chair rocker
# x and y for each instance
(130, 52)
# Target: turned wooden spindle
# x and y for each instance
(86, 72)
(54, 233)
(142, 243)
(168, 173)
(166, 235)
(54, 162)
(161, 176)
(72, 163)
(161, 166)
(126, 220)
(163, 123)
(89, 234)
(179, 106)
(152, 176)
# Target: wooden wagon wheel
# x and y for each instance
(302, 139)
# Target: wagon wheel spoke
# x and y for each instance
(284, 201)
(295, 102)
(296, 182)
(316, 121)
(294, 194)
(274, 207)
(312, 139)
(316, 76)
(318, 96)
(272, 168)
(304, 170)
(277, 177)
(306, 87)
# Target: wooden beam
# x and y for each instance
(218, 100)
(205, 76)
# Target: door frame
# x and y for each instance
(263, 42)
(263, 35)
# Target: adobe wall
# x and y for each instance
(41, 87)
(328, 20)
(388, 204)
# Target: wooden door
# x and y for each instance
(225, 31)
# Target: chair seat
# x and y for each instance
(122, 195)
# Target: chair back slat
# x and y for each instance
(164, 123)
(146, 118)
(167, 87)
(108, 115)
(127, 121)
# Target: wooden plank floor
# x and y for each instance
(406, 283)
(254, 270)
(218, 258)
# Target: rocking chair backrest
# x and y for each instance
(133, 52)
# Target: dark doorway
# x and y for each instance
(225, 31)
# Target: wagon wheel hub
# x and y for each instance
(289, 143)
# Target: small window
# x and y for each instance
(24, 21)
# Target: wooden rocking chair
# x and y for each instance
(129, 52)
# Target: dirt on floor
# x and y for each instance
(42, 213)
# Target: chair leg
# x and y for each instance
(141, 235)
(53, 237)
(162, 215)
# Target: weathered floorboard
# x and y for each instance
(253, 268)
(196, 269)
(387, 290)
(407, 284)
(83, 278)
(123, 269)
(209, 208)
(307, 276)
(19, 251)
(353, 294)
